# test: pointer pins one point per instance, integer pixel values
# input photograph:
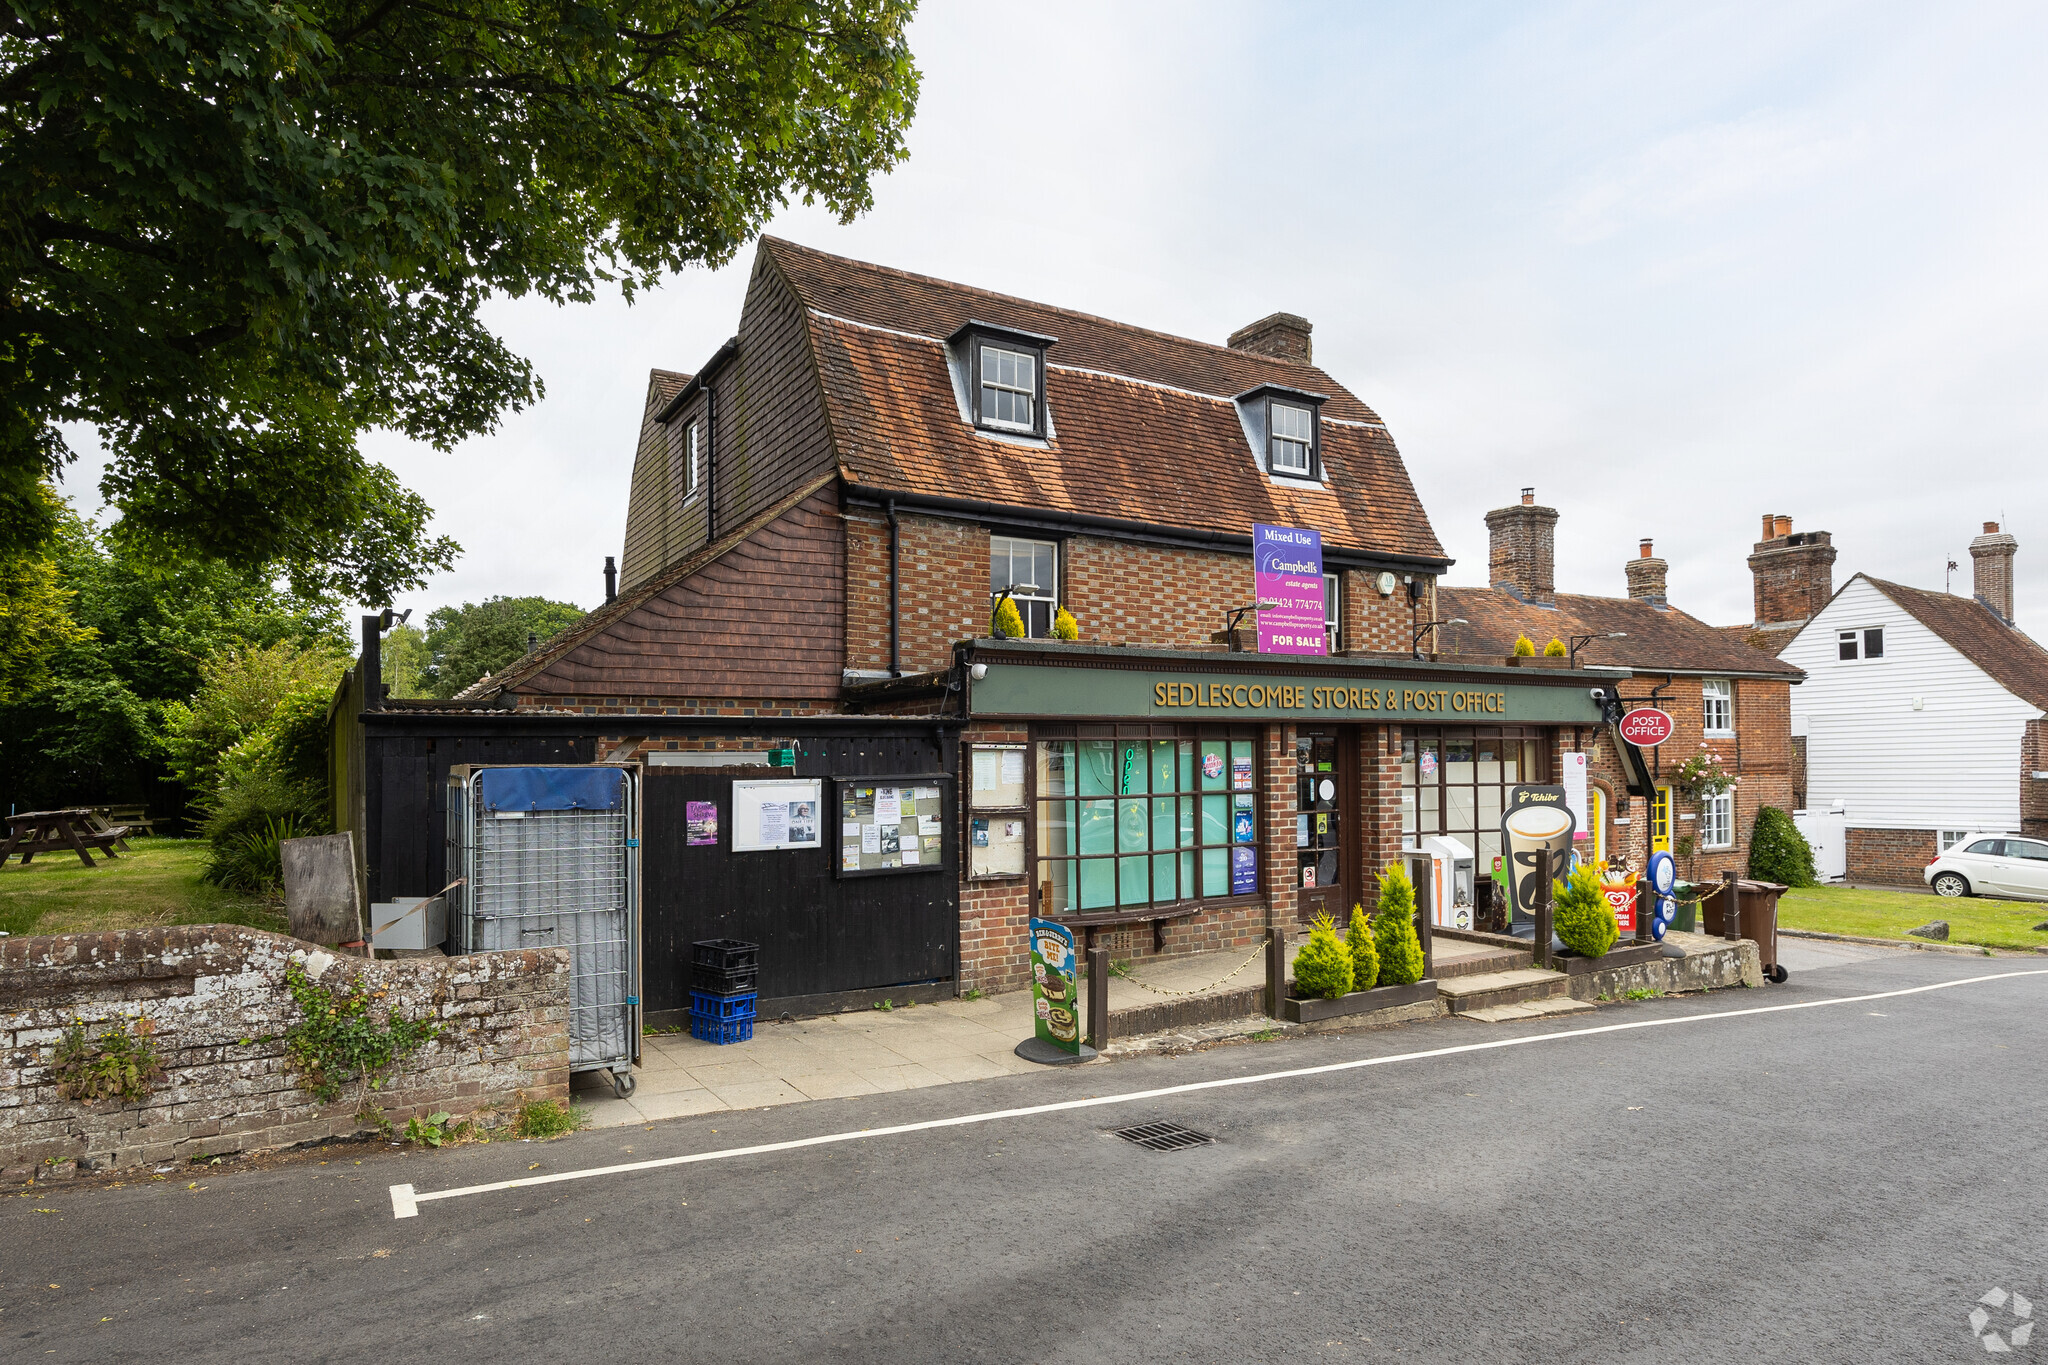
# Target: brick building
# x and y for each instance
(1728, 700)
(824, 517)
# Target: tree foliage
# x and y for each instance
(1778, 852)
(1583, 919)
(1322, 969)
(1393, 926)
(239, 233)
(464, 643)
(91, 727)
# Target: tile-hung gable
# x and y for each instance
(1121, 422)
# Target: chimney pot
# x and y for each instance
(1646, 547)
(1280, 336)
(1990, 528)
(1770, 525)
(1522, 554)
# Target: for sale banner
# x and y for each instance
(1055, 985)
(1287, 571)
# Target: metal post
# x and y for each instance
(1276, 971)
(1646, 910)
(1098, 998)
(1546, 907)
(1731, 908)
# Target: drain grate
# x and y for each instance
(1162, 1137)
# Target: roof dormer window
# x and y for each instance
(1285, 429)
(1005, 374)
(1291, 439)
(1009, 387)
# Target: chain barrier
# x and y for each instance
(1197, 990)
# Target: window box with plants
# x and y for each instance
(1552, 655)
(1377, 965)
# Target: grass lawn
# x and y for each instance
(156, 884)
(1889, 914)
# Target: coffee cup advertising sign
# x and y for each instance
(1536, 819)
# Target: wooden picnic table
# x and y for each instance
(52, 831)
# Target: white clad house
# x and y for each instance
(1922, 716)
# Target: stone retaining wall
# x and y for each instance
(1709, 964)
(217, 1000)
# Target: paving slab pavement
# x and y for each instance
(873, 1051)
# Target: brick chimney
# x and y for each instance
(1283, 336)
(1991, 569)
(1646, 576)
(1794, 574)
(1522, 556)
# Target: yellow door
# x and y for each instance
(1660, 820)
(1596, 816)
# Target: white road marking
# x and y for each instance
(405, 1201)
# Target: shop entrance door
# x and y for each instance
(1326, 863)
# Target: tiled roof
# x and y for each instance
(2007, 653)
(1657, 639)
(533, 662)
(663, 385)
(1142, 423)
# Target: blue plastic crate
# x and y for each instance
(721, 1031)
(718, 1005)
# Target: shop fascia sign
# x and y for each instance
(1022, 689)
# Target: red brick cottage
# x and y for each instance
(822, 518)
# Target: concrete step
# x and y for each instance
(1462, 994)
(1475, 959)
(1528, 1009)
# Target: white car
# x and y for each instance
(1992, 865)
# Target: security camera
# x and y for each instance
(978, 672)
(1599, 693)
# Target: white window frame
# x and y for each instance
(1717, 821)
(1333, 611)
(690, 460)
(1717, 694)
(1946, 839)
(992, 382)
(1048, 593)
(1857, 642)
(1306, 443)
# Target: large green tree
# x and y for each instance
(464, 643)
(237, 233)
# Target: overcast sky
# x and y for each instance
(1676, 266)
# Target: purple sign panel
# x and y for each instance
(1287, 570)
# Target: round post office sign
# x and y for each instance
(1646, 727)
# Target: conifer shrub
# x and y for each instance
(1322, 969)
(1584, 920)
(1778, 852)
(1064, 626)
(1525, 648)
(1008, 622)
(1393, 930)
(1555, 649)
(1365, 953)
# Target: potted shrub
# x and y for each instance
(1336, 977)
(1393, 927)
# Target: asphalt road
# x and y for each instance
(1839, 1183)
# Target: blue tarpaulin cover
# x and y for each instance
(551, 788)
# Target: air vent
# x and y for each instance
(1162, 1137)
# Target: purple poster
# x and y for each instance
(1287, 570)
(1244, 871)
(701, 822)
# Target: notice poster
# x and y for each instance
(701, 823)
(1575, 797)
(1287, 571)
(882, 829)
(888, 806)
(1241, 821)
(1055, 985)
(1241, 773)
(1244, 870)
(774, 815)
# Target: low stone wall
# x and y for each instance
(217, 1000)
(1709, 964)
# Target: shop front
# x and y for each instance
(1210, 797)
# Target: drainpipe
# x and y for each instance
(1657, 758)
(611, 579)
(710, 462)
(895, 600)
